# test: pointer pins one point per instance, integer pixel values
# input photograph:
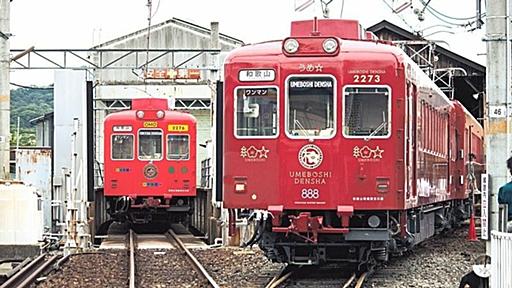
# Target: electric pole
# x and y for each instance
(5, 102)
(498, 126)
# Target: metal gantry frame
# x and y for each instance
(82, 58)
(422, 52)
(443, 78)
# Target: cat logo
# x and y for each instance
(150, 124)
(177, 128)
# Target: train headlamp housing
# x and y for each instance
(160, 114)
(374, 221)
(140, 114)
(291, 45)
(330, 45)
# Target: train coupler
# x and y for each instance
(308, 227)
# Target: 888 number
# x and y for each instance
(310, 193)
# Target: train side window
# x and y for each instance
(256, 113)
(122, 147)
(310, 107)
(178, 147)
(367, 112)
(150, 144)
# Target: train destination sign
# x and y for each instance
(311, 83)
(256, 75)
(122, 128)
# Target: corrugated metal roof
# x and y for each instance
(406, 35)
(177, 22)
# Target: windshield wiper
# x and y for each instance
(300, 126)
(377, 130)
(296, 123)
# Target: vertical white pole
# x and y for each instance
(5, 96)
(498, 102)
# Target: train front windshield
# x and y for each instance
(256, 112)
(150, 144)
(366, 112)
(310, 105)
(178, 147)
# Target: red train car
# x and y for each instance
(150, 162)
(348, 148)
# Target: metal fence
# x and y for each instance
(501, 255)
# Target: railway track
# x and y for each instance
(197, 265)
(27, 275)
(310, 276)
(164, 261)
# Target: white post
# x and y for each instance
(498, 127)
(5, 95)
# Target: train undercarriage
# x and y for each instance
(316, 237)
(149, 210)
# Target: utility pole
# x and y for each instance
(5, 96)
(498, 126)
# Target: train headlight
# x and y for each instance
(330, 45)
(374, 221)
(140, 114)
(291, 45)
(160, 114)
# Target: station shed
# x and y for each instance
(458, 77)
(185, 71)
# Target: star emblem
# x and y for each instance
(263, 152)
(377, 153)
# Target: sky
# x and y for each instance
(80, 24)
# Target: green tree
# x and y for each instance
(28, 103)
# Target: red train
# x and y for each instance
(150, 162)
(350, 150)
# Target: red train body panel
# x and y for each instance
(150, 158)
(328, 139)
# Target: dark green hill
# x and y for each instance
(28, 103)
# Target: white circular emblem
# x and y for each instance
(310, 156)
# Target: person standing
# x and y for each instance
(505, 196)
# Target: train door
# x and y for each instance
(411, 117)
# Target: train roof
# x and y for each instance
(151, 104)
(352, 38)
(169, 115)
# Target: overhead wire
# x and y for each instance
(156, 9)
(433, 10)
(342, 6)
(399, 16)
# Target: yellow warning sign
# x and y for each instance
(177, 127)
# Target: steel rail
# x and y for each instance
(132, 261)
(18, 268)
(279, 281)
(194, 260)
(361, 279)
(349, 281)
(26, 276)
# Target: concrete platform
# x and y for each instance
(19, 251)
(153, 241)
(190, 241)
(114, 242)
